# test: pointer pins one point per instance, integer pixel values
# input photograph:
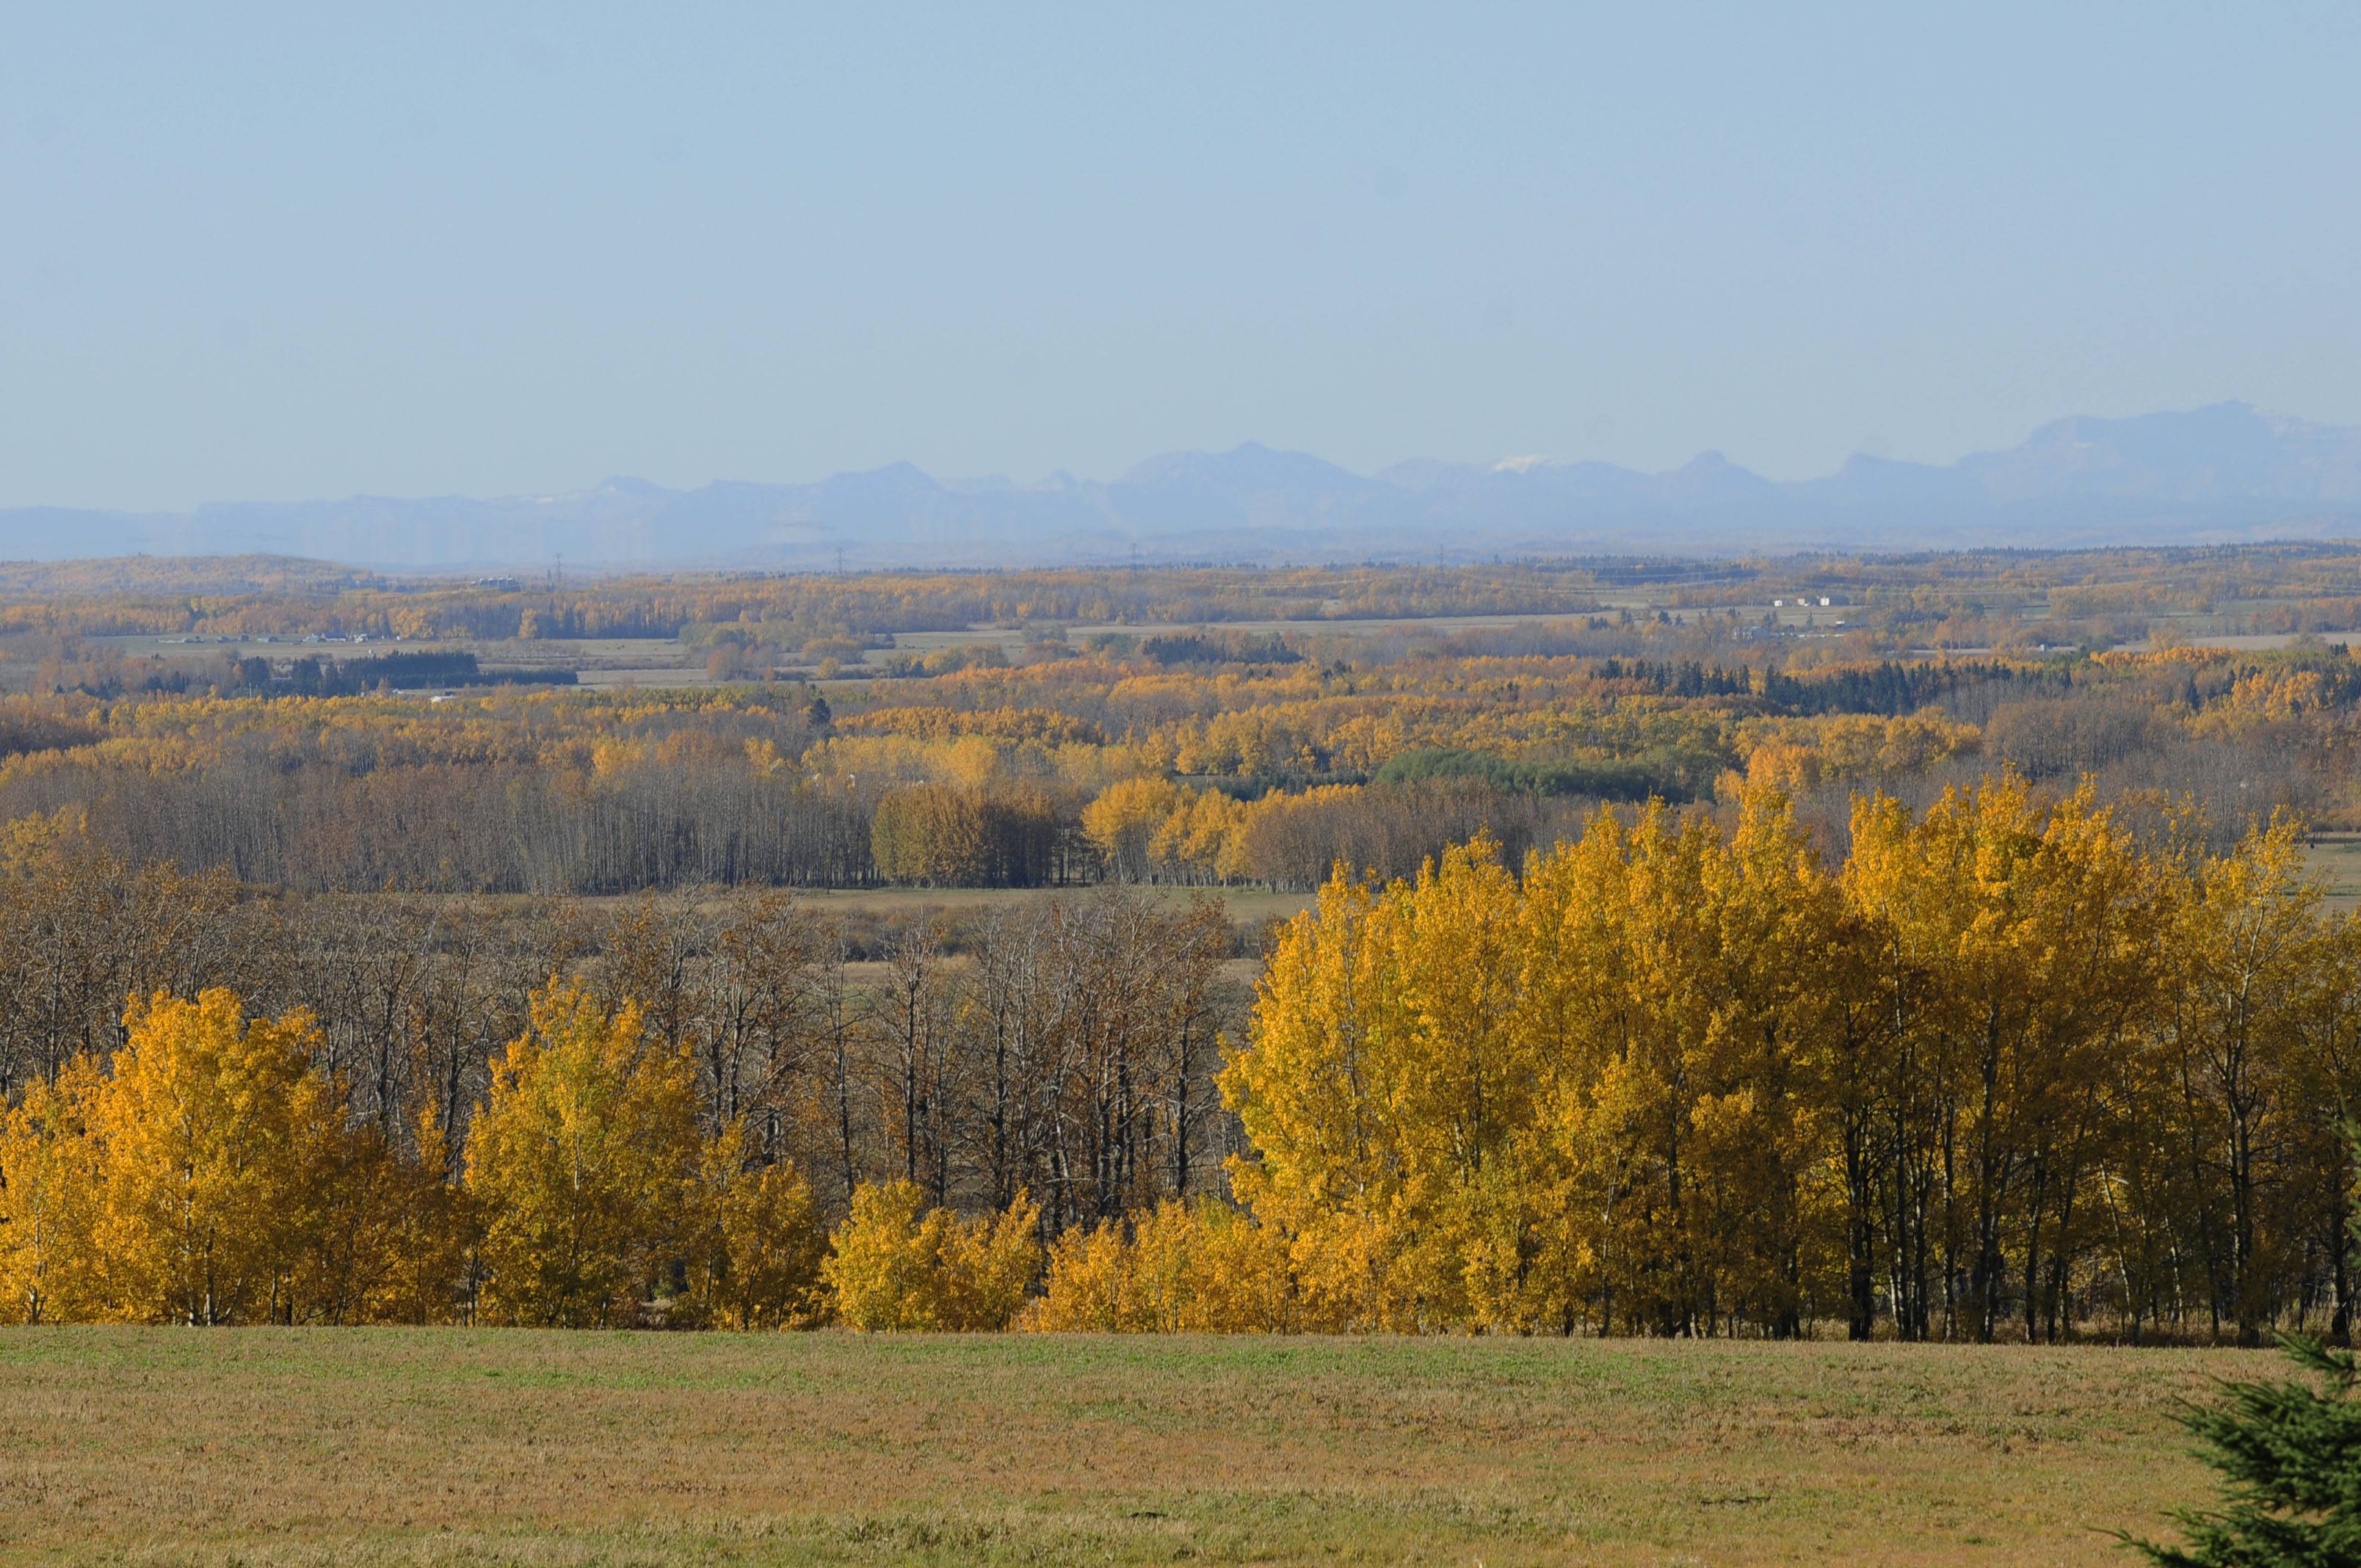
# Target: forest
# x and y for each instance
(1653, 953)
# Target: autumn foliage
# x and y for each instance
(895, 1264)
(207, 1175)
(2016, 1066)
(2003, 1071)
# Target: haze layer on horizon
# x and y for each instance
(271, 253)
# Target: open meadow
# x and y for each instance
(266, 1446)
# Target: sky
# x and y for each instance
(264, 252)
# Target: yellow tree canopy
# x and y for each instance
(216, 1142)
(585, 1161)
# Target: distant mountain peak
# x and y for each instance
(1250, 465)
(2224, 471)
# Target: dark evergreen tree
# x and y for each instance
(2290, 1455)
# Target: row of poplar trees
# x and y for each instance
(367, 1110)
(208, 1175)
(2006, 1070)
(2009, 1070)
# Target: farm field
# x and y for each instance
(266, 1446)
(1244, 906)
(2335, 859)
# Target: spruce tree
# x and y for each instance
(2290, 1456)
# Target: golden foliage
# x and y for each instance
(585, 1162)
(48, 1266)
(206, 1176)
(898, 1265)
(1186, 1269)
(1680, 1080)
(763, 1260)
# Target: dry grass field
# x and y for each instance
(2335, 859)
(1243, 906)
(263, 1446)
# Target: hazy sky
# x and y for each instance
(261, 252)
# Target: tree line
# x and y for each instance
(2007, 1071)
(2013, 1067)
(1074, 767)
(1065, 1048)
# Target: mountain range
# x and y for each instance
(2224, 473)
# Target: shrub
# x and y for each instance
(899, 1266)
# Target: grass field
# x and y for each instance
(2335, 859)
(266, 1446)
(1245, 905)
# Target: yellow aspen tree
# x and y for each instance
(1196, 837)
(1306, 1089)
(1635, 1003)
(1090, 1286)
(989, 1267)
(1382, 1091)
(2247, 946)
(765, 1245)
(1101, 1281)
(393, 1243)
(895, 1264)
(1126, 816)
(48, 1256)
(1348, 1203)
(1766, 1213)
(423, 1232)
(2039, 930)
(1582, 1013)
(1755, 1118)
(1902, 1098)
(1459, 1094)
(1243, 1280)
(1689, 1133)
(218, 1145)
(584, 1163)
(1186, 1269)
(2090, 929)
(1167, 1266)
(2326, 1079)
(884, 1260)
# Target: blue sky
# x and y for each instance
(267, 252)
